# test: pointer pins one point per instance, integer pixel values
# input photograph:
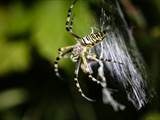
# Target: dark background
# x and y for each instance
(31, 31)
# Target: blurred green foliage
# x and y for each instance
(30, 34)
(152, 116)
(46, 23)
(11, 98)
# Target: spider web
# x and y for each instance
(119, 45)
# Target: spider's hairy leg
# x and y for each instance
(69, 21)
(77, 83)
(87, 71)
(112, 61)
(61, 53)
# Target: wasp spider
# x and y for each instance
(80, 52)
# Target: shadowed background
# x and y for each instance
(31, 31)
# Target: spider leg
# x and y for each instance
(77, 83)
(64, 50)
(107, 97)
(61, 53)
(112, 61)
(100, 69)
(69, 21)
(87, 71)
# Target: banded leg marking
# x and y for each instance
(77, 83)
(56, 65)
(87, 71)
(69, 21)
(100, 70)
(112, 61)
(61, 53)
